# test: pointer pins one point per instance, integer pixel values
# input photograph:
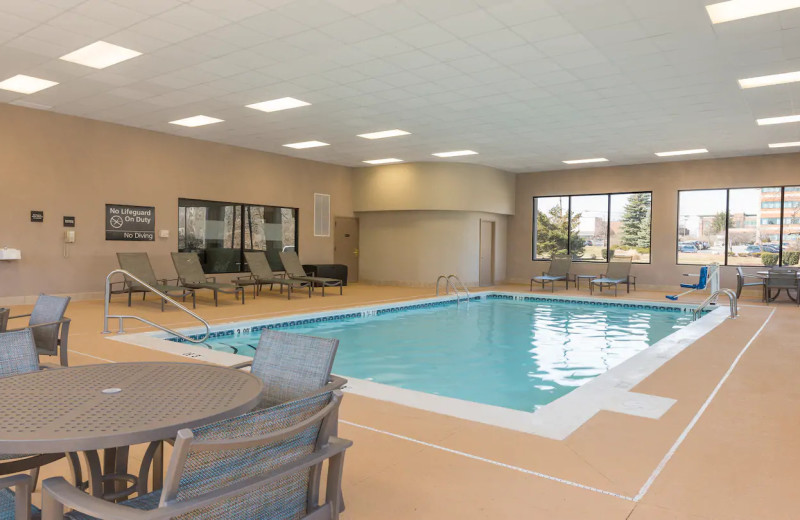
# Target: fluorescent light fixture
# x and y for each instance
(682, 152)
(306, 144)
(586, 161)
(785, 145)
(384, 161)
(100, 55)
(778, 120)
(275, 105)
(384, 134)
(196, 121)
(738, 9)
(458, 153)
(26, 84)
(774, 79)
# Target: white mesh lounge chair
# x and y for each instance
(558, 270)
(138, 264)
(264, 464)
(191, 275)
(617, 272)
(293, 267)
(16, 504)
(261, 272)
(50, 327)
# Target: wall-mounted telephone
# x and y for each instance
(69, 236)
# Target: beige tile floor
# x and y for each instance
(740, 458)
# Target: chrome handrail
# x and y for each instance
(733, 301)
(122, 317)
(457, 279)
(448, 280)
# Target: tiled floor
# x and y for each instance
(739, 458)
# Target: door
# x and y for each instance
(345, 245)
(486, 267)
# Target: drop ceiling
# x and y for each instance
(526, 83)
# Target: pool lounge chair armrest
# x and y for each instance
(168, 281)
(212, 279)
(250, 276)
(63, 321)
(19, 316)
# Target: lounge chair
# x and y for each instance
(138, 264)
(617, 272)
(558, 270)
(261, 272)
(782, 278)
(16, 504)
(191, 275)
(263, 464)
(741, 282)
(50, 327)
(291, 263)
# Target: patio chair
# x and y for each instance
(16, 504)
(558, 270)
(617, 272)
(293, 267)
(191, 275)
(261, 272)
(4, 313)
(138, 264)
(18, 356)
(263, 464)
(782, 278)
(50, 327)
(741, 282)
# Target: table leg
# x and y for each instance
(109, 468)
(95, 473)
(158, 467)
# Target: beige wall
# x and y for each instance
(433, 186)
(66, 165)
(664, 180)
(414, 247)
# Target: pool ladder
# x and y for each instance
(450, 282)
(732, 300)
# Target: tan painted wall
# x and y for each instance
(66, 165)
(414, 247)
(433, 186)
(664, 180)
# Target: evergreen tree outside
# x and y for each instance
(551, 233)
(718, 224)
(636, 221)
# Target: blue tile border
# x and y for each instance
(426, 305)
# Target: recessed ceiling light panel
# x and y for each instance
(384, 134)
(384, 161)
(774, 79)
(306, 144)
(100, 55)
(457, 153)
(778, 120)
(274, 105)
(586, 161)
(682, 152)
(738, 9)
(26, 84)
(196, 121)
(785, 145)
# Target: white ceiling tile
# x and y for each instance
(350, 30)
(495, 40)
(196, 20)
(393, 17)
(314, 13)
(471, 23)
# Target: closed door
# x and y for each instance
(486, 269)
(345, 245)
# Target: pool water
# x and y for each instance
(514, 354)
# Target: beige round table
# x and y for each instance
(116, 405)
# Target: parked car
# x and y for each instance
(770, 248)
(753, 249)
(687, 248)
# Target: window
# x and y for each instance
(588, 227)
(742, 227)
(220, 232)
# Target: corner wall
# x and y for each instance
(664, 180)
(66, 165)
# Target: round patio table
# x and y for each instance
(115, 405)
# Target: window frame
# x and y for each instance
(608, 225)
(241, 230)
(773, 189)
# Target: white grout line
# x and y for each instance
(699, 414)
(71, 351)
(490, 461)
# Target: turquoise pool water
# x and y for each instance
(514, 354)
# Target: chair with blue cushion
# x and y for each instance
(16, 504)
(558, 270)
(617, 272)
(263, 464)
(50, 327)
